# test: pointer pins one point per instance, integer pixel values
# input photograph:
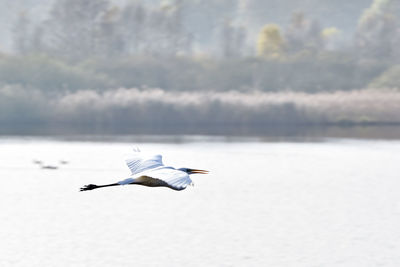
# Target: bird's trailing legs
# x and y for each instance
(93, 186)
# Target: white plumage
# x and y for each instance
(137, 162)
(153, 167)
(150, 171)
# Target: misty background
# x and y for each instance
(226, 66)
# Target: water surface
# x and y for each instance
(330, 203)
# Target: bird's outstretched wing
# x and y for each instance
(175, 179)
(151, 167)
(137, 162)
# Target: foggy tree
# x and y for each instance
(110, 39)
(156, 30)
(232, 39)
(73, 27)
(303, 34)
(21, 33)
(203, 19)
(179, 39)
(388, 79)
(314, 36)
(378, 31)
(331, 36)
(133, 24)
(140, 42)
(270, 43)
(227, 39)
(173, 27)
(36, 44)
(167, 35)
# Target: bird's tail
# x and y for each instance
(89, 187)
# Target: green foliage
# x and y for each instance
(303, 72)
(174, 73)
(388, 79)
(270, 44)
(49, 74)
(378, 34)
(303, 35)
(73, 28)
(94, 44)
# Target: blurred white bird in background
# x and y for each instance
(150, 171)
(44, 166)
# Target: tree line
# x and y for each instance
(87, 44)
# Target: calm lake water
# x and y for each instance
(328, 203)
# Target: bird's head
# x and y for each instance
(193, 171)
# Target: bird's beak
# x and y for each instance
(195, 171)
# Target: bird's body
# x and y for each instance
(151, 182)
(49, 167)
(150, 171)
(38, 162)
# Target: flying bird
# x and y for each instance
(49, 167)
(38, 162)
(43, 166)
(150, 171)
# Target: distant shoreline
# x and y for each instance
(360, 113)
(384, 132)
